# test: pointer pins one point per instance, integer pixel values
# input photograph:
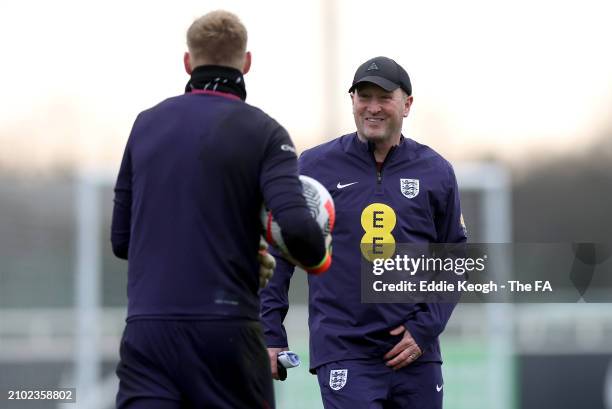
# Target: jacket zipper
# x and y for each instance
(379, 172)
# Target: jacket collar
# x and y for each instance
(365, 147)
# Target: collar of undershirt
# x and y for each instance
(217, 80)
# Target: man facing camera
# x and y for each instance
(373, 355)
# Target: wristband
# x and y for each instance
(322, 266)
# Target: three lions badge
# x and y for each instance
(409, 187)
(337, 378)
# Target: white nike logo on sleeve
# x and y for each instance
(341, 186)
(439, 387)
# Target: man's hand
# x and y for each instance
(272, 354)
(266, 264)
(404, 352)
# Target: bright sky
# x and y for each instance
(509, 77)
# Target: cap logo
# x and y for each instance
(372, 66)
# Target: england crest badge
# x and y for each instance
(337, 378)
(409, 187)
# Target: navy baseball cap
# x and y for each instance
(383, 72)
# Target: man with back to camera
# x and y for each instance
(373, 355)
(188, 196)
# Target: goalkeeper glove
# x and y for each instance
(266, 264)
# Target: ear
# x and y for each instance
(187, 63)
(247, 62)
(407, 105)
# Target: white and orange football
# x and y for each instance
(321, 206)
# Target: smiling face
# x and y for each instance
(379, 114)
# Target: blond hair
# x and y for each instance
(218, 38)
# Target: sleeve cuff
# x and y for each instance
(276, 341)
(422, 336)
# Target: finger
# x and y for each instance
(263, 245)
(397, 360)
(273, 366)
(272, 355)
(264, 276)
(403, 359)
(409, 351)
(399, 347)
(268, 261)
(266, 273)
(411, 358)
(398, 330)
(411, 355)
(402, 364)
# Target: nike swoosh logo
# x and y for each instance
(341, 186)
(439, 388)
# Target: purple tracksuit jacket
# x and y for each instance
(195, 172)
(341, 327)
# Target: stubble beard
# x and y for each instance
(375, 136)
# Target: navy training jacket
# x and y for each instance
(341, 327)
(188, 196)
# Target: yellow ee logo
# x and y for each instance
(378, 220)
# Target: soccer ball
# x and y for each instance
(321, 206)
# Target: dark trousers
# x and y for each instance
(370, 384)
(186, 364)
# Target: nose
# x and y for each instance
(373, 107)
